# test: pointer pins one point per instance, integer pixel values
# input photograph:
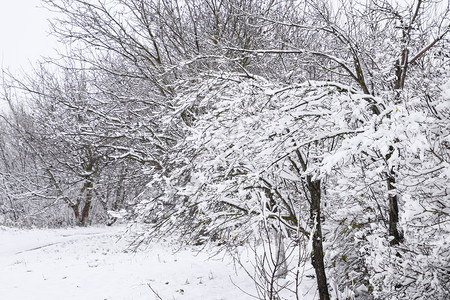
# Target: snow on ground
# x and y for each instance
(94, 263)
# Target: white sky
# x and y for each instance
(23, 33)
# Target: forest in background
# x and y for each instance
(306, 130)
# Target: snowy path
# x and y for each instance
(90, 263)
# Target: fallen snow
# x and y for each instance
(96, 263)
(93, 263)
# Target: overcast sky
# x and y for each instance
(23, 33)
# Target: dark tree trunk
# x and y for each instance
(393, 212)
(393, 203)
(76, 212)
(401, 69)
(89, 187)
(82, 216)
(317, 255)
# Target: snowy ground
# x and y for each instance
(93, 263)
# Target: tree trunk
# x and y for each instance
(317, 251)
(393, 203)
(89, 186)
(401, 69)
(317, 255)
(76, 213)
(393, 211)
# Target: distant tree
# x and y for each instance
(77, 143)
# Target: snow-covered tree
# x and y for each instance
(382, 95)
(316, 124)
